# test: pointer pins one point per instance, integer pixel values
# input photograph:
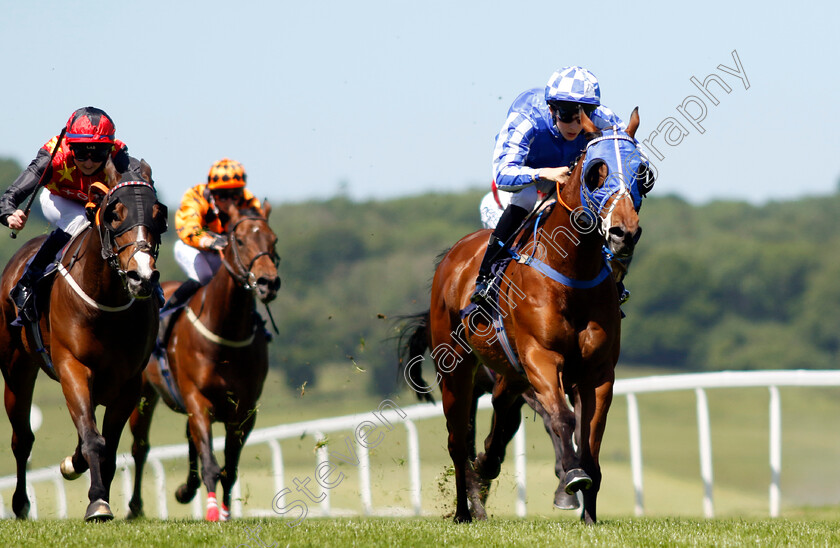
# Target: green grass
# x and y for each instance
(425, 532)
(672, 485)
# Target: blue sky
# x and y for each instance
(390, 98)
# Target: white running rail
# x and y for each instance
(390, 414)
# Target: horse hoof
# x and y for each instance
(212, 514)
(224, 513)
(477, 510)
(576, 480)
(99, 511)
(135, 511)
(462, 519)
(184, 494)
(565, 501)
(67, 469)
(487, 467)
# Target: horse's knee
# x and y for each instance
(22, 443)
(92, 446)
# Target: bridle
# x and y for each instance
(241, 272)
(144, 194)
(598, 205)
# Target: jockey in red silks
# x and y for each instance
(66, 166)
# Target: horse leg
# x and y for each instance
(507, 417)
(117, 413)
(75, 384)
(140, 422)
(236, 434)
(456, 389)
(186, 491)
(199, 409)
(478, 488)
(562, 499)
(593, 401)
(20, 383)
(552, 396)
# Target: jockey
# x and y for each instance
(200, 222)
(66, 167)
(540, 138)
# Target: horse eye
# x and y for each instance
(593, 176)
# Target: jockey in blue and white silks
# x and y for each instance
(541, 137)
(530, 140)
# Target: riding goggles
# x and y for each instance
(566, 111)
(91, 152)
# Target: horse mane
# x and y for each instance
(250, 212)
(441, 256)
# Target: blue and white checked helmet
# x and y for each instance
(574, 84)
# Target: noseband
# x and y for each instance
(239, 271)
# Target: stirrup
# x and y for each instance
(482, 288)
(624, 297)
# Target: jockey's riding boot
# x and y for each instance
(496, 247)
(22, 293)
(181, 295)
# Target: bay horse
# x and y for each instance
(555, 328)
(216, 361)
(97, 331)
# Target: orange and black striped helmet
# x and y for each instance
(226, 173)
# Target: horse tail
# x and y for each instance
(412, 343)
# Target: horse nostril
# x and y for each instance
(616, 232)
(155, 277)
(271, 284)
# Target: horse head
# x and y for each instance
(614, 176)
(130, 221)
(251, 255)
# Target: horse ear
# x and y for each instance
(266, 208)
(160, 214)
(111, 175)
(586, 123)
(146, 171)
(634, 123)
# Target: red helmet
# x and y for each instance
(90, 125)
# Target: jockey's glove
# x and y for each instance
(214, 241)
